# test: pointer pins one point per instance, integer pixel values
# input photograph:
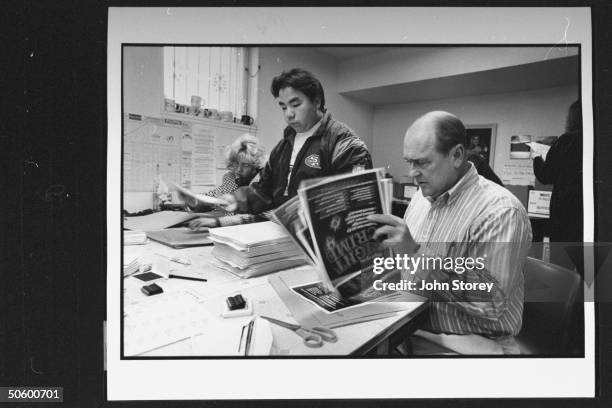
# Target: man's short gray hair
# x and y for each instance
(449, 130)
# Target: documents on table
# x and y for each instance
(131, 265)
(373, 305)
(251, 250)
(250, 236)
(319, 296)
(234, 337)
(134, 238)
(157, 221)
(134, 259)
(160, 320)
(179, 238)
(243, 259)
(259, 269)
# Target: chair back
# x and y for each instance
(550, 295)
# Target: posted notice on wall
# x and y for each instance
(518, 173)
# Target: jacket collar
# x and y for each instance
(290, 132)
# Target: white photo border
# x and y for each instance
(308, 378)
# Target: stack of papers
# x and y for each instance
(256, 249)
(134, 238)
(247, 237)
(131, 264)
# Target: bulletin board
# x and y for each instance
(188, 153)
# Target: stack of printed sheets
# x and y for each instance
(256, 249)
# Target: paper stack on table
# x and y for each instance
(131, 265)
(254, 249)
(134, 238)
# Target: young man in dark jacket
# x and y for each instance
(313, 145)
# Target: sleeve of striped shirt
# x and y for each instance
(502, 240)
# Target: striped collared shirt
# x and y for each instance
(476, 218)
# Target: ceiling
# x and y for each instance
(347, 52)
(543, 74)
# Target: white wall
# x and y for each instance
(538, 112)
(274, 60)
(143, 80)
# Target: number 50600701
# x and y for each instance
(31, 394)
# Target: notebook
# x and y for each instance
(180, 237)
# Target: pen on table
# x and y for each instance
(240, 342)
(170, 276)
(176, 259)
(247, 347)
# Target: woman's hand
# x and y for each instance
(231, 204)
(203, 222)
(190, 200)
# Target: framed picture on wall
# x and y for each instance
(481, 141)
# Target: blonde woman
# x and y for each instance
(245, 158)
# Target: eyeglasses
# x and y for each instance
(245, 166)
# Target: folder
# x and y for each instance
(158, 221)
(180, 237)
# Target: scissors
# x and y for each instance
(313, 337)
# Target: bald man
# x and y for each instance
(472, 236)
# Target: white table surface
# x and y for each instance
(210, 334)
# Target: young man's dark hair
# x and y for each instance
(300, 80)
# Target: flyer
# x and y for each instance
(336, 210)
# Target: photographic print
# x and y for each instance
(481, 141)
(218, 118)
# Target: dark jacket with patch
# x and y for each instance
(332, 149)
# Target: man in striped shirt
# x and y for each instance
(458, 216)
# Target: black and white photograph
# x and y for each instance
(481, 142)
(228, 203)
(170, 139)
(209, 138)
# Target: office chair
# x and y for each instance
(550, 301)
